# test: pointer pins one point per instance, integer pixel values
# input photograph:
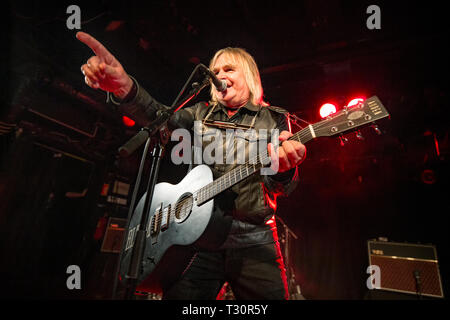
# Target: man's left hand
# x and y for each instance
(290, 152)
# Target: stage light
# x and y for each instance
(355, 102)
(128, 122)
(327, 109)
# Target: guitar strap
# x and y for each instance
(227, 124)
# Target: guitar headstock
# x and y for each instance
(351, 118)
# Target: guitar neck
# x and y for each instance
(345, 120)
(245, 170)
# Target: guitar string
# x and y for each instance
(304, 133)
(217, 186)
(256, 161)
(259, 159)
(221, 181)
(300, 135)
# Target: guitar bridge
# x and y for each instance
(165, 218)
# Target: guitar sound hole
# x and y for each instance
(183, 207)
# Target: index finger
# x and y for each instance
(95, 45)
(284, 135)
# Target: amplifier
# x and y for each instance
(112, 241)
(406, 267)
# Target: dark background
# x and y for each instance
(58, 135)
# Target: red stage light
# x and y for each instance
(128, 122)
(327, 109)
(355, 102)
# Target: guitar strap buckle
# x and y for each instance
(226, 125)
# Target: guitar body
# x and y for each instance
(166, 252)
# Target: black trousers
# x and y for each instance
(254, 273)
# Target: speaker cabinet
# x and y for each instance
(407, 268)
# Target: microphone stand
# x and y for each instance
(292, 284)
(418, 284)
(149, 136)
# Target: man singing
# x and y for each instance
(249, 258)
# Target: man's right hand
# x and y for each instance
(103, 70)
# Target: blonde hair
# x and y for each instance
(241, 58)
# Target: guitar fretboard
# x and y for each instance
(245, 170)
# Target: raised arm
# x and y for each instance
(103, 71)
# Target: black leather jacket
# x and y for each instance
(253, 199)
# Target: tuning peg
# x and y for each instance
(359, 136)
(377, 130)
(343, 140)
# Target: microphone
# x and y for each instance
(221, 85)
